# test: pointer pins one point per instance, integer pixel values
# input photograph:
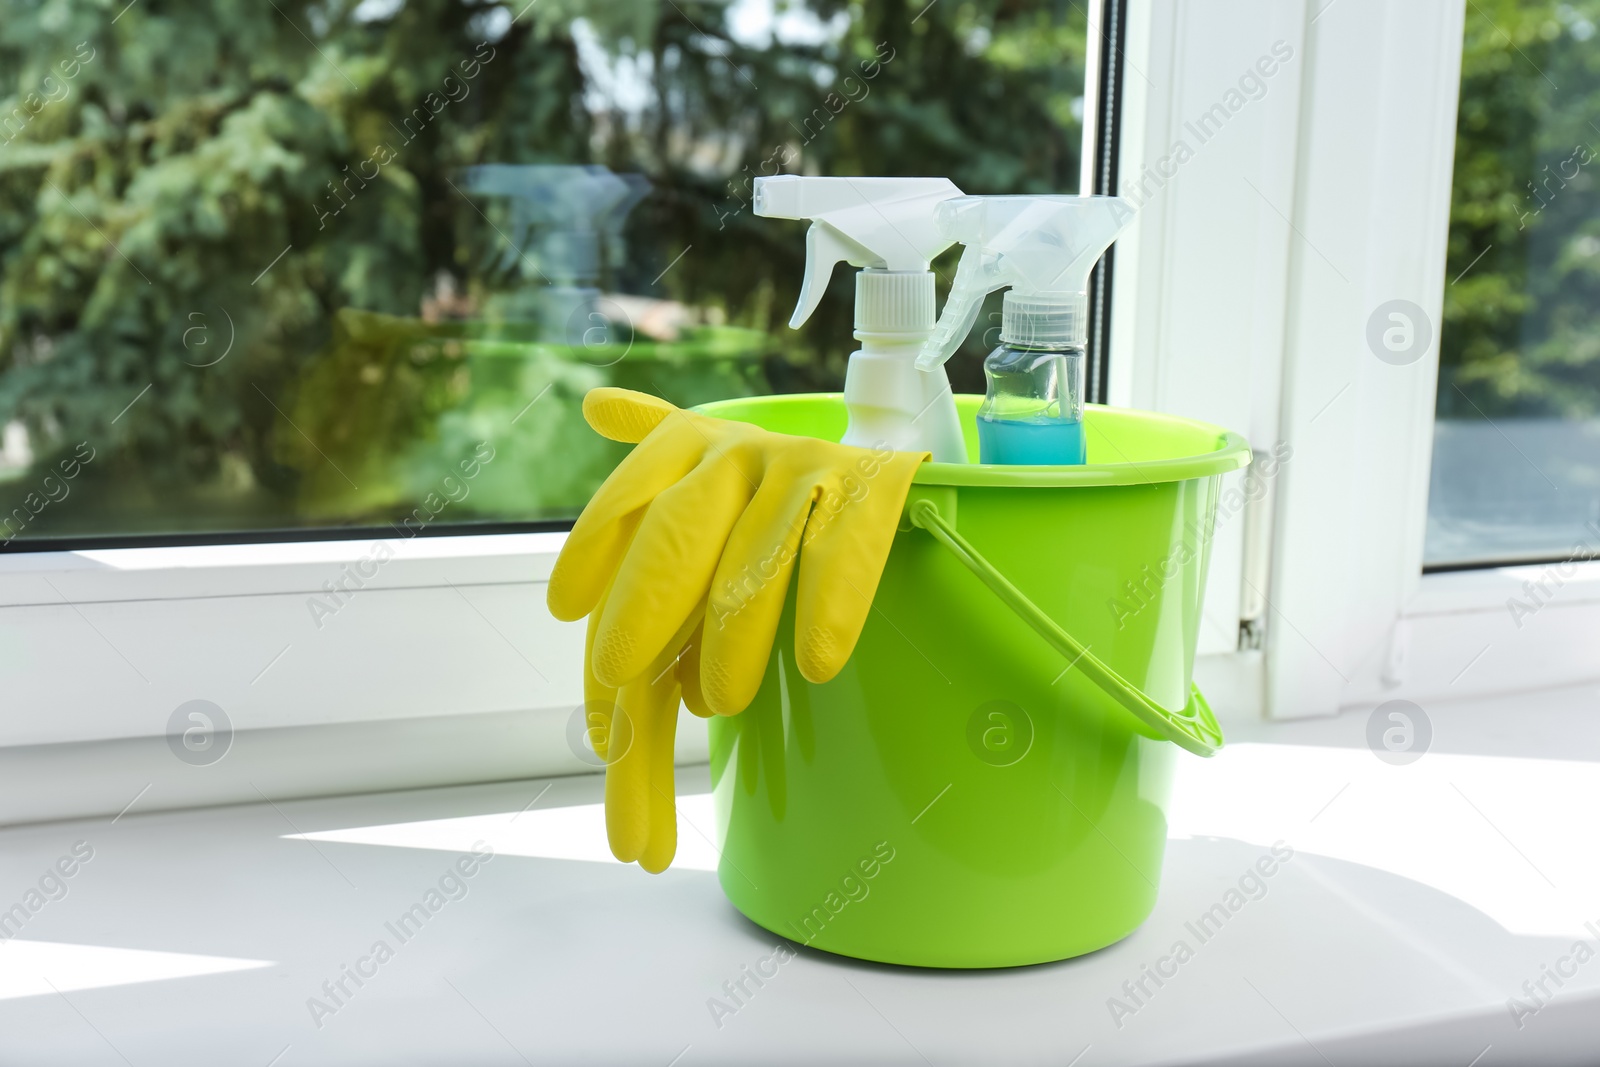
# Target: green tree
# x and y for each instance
(1522, 308)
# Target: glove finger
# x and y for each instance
(599, 701)
(748, 592)
(624, 414)
(600, 537)
(630, 796)
(668, 567)
(689, 669)
(662, 844)
(847, 541)
(631, 757)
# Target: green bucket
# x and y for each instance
(985, 782)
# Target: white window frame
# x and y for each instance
(440, 664)
(1242, 297)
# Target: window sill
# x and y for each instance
(1365, 947)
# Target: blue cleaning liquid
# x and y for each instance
(1047, 442)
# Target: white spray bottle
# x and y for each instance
(1042, 248)
(885, 226)
(559, 213)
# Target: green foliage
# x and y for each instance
(202, 180)
(1521, 335)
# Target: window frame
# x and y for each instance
(1198, 315)
(441, 665)
(1354, 178)
(110, 641)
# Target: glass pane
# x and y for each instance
(1516, 467)
(354, 263)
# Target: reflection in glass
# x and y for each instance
(309, 265)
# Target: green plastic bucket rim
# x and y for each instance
(1231, 453)
(1193, 727)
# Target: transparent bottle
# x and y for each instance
(1040, 249)
(1033, 412)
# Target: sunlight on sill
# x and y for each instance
(570, 833)
(1497, 833)
(42, 968)
(1494, 832)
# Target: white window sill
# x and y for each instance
(1416, 904)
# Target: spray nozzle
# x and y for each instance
(878, 223)
(1043, 247)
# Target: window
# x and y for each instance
(336, 273)
(1516, 463)
(327, 268)
(1383, 189)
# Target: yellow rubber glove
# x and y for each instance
(697, 532)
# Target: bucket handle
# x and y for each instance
(1194, 728)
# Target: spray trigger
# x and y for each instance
(875, 223)
(1041, 247)
(826, 248)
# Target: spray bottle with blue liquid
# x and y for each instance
(1041, 249)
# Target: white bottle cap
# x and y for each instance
(894, 301)
(1032, 320)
